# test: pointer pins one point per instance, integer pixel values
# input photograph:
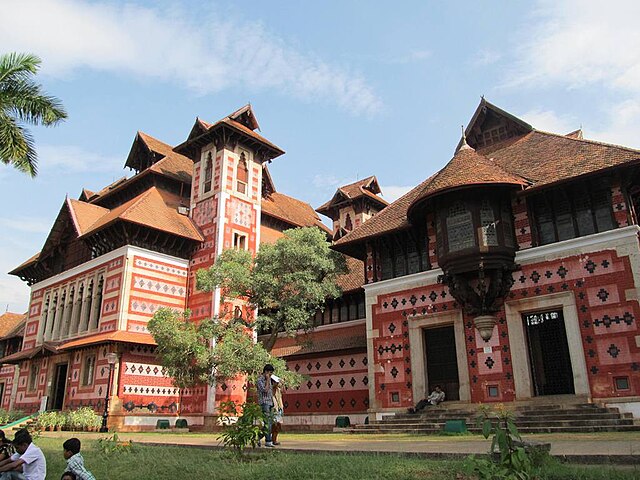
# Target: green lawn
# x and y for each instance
(158, 463)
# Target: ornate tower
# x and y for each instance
(226, 193)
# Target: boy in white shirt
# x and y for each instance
(28, 463)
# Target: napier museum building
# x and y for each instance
(510, 275)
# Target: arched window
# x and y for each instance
(208, 173)
(348, 225)
(242, 174)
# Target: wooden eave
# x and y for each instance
(225, 133)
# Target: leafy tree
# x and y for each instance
(210, 350)
(23, 101)
(286, 281)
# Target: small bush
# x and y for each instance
(243, 425)
(114, 446)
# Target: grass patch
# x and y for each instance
(170, 462)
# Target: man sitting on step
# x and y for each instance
(436, 397)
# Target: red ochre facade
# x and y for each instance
(592, 279)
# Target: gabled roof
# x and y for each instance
(467, 168)
(291, 210)
(389, 219)
(154, 208)
(241, 121)
(84, 215)
(367, 187)
(10, 323)
(486, 111)
(548, 158)
(533, 158)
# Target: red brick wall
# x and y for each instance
(608, 323)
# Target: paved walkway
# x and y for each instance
(619, 448)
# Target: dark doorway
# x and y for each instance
(442, 361)
(59, 386)
(2, 393)
(548, 353)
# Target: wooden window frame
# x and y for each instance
(84, 380)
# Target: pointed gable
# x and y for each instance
(367, 187)
(246, 117)
(239, 126)
(491, 125)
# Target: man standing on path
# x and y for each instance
(265, 400)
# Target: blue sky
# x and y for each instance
(346, 88)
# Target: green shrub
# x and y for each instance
(243, 426)
(513, 462)
(114, 446)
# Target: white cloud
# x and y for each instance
(622, 126)
(71, 158)
(549, 121)
(585, 43)
(328, 181)
(392, 192)
(580, 42)
(25, 224)
(205, 57)
(485, 58)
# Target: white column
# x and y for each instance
(96, 304)
(60, 314)
(51, 317)
(68, 311)
(86, 306)
(77, 310)
(42, 325)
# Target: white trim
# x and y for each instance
(95, 262)
(417, 326)
(518, 343)
(420, 279)
(588, 243)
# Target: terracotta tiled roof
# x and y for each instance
(538, 158)
(154, 208)
(25, 264)
(291, 210)
(43, 350)
(466, 168)
(9, 322)
(112, 186)
(354, 279)
(173, 164)
(546, 158)
(367, 187)
(320, 345)
(84, 214)
(389, 219)
(117, 336)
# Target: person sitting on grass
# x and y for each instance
(28, 463)
(68, 476)
(75, 461)
(436, 397)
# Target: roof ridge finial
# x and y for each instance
(465, 145)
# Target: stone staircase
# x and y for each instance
(531, 417)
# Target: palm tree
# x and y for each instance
(23, 101)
